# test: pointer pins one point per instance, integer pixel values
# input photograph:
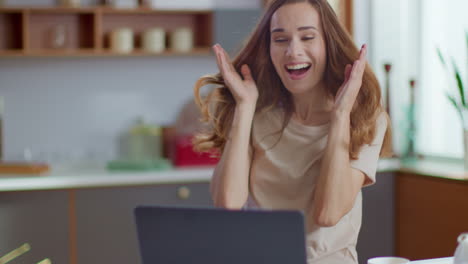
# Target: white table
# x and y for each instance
(448, 260)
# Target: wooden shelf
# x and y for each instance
(63, 31)
(102, 53)
(142, 10)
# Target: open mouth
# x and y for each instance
(298, 71)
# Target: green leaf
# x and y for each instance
(454, 103)
(461, 89)
(441, 57)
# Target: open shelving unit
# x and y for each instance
(29, 31)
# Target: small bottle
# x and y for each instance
(461, 253)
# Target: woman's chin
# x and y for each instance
(298, 89)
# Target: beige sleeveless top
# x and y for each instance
(283, 175)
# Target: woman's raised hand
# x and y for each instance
(347, 94)
(243, 89)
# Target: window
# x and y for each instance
(406, 34)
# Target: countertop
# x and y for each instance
(86, 177)
(95, 178)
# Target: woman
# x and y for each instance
(303, 127)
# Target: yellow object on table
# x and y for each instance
(15, 253)
(11, 168)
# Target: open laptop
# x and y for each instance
(176, 235)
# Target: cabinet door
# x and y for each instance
(431, 213)
(106, 230)
(377, 236)
(39, 219)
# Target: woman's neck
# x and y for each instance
(313, 108)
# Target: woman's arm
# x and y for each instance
(230, 183)
(338, 184)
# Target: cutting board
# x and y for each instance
(13, 168)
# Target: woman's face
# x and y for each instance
(297, 47)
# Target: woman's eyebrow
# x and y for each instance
(299, 28)
(306, 28)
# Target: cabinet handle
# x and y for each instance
(183, 193)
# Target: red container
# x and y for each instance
(185, 155)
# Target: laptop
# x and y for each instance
(178, 235)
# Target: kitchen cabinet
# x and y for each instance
(85, 31)
(377, 235)
(39, 218)
(430, 214)
(105, 228)
(88, 218)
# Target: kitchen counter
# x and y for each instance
(95, 178)
(78, 178)
(451, 169)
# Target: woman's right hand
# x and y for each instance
(244, 90)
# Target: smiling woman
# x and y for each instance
(297, 121)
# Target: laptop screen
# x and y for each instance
(175, 235)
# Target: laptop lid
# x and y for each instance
(175, 235)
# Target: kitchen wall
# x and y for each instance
(70, 107)
(61, 109)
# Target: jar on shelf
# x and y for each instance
(182, 39)
(122, 3)
(69, 3)
(121, 40)
(154, 40)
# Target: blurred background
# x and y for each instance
(109, 84)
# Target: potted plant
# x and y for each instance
(459, 100)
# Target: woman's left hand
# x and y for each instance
(347, 93)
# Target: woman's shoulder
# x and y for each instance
(382, 120)
(381, 124)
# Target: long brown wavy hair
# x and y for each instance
(218, 106)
